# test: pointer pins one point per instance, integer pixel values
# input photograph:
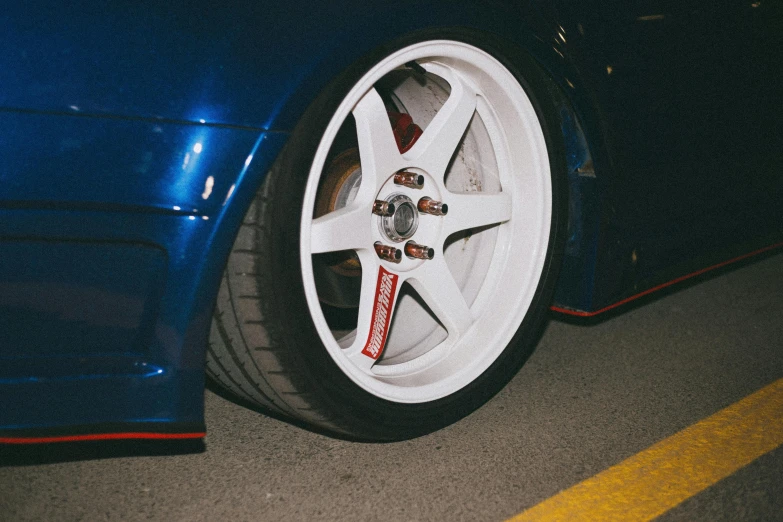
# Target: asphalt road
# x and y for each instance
(591, 396)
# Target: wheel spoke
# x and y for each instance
(348, 228)
(476, 210)
(378, 151)
(436, 146)
(436, 285)
(379, 291)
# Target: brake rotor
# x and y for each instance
(339, 186)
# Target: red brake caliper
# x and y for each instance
(405, 131)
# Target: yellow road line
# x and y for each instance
(652, 482)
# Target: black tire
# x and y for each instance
(264, 346)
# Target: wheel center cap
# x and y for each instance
(403, 222)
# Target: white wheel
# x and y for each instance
(483, 154)
(426, 246)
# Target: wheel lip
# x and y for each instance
(372, 383)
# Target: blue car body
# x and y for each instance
(135, 134)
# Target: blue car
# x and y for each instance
(356, 215)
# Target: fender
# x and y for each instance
(206, 80)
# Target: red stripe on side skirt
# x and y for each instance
(100, 436)
(664, 285)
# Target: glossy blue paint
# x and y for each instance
(155, 376)
(576, 284)
(143, 165)
(254, 64)
(76, 299)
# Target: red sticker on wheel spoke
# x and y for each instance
(385, 291)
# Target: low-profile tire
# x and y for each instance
(312, 324)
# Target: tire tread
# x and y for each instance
(265, 375)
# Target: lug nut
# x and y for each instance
(382, 208)
(388, 253)
(418, 251)
(430, 206)
(409, 179)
